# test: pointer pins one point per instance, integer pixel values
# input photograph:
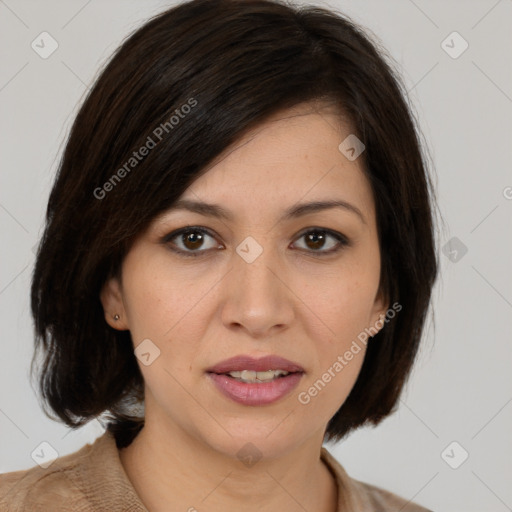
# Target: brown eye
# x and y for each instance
(190, 241)
(316, 240)
(193, 241)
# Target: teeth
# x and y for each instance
(252, 376)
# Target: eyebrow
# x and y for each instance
(298, 210)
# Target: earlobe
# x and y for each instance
(112, 300)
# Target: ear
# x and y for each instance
(380, 306)
(111, 297)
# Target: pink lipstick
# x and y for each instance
(256, 381)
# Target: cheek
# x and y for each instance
(147, 305)
(340, 345)
(342, 302)
(166, 307)
(325, 391)
(158, 297)
(340, 310)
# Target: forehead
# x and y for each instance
(276, 167)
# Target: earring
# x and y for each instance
(116, 317)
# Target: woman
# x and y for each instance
(237, 265)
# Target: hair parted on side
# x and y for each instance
(235, 63)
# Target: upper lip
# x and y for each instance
(262, 364)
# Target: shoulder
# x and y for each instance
(55, 488)
(382, 500)
(359, 496)
(36, 490)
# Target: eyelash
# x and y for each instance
(342, 240)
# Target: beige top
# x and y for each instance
(93, 479)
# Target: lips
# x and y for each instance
(255, 394)
(262, 364)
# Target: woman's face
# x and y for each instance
(261, 283)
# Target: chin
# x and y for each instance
(270, 439)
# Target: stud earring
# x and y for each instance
(116, 317)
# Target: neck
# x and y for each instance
(169, 467)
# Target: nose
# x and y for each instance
(257, 297)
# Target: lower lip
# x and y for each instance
(255, 394)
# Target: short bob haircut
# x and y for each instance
(187, 85)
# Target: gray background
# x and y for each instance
(461, 387)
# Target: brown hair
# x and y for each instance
(233, 63)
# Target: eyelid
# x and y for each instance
(343, 240)
(166, 239)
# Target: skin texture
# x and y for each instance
(290, 301)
